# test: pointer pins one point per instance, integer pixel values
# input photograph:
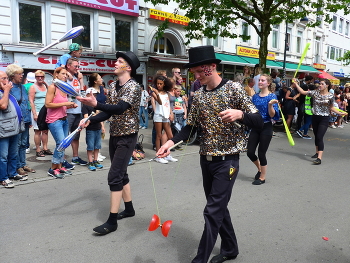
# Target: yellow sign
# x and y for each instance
(173, 18)
(319, 66)
(253, 53)
(335, 81)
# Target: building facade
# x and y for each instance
(110, 26)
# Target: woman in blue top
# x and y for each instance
(265, 101)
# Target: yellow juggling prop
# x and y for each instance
(302, 58)
(289, 136)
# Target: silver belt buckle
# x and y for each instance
(209, 158)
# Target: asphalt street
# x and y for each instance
(285, 220)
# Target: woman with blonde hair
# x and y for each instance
(57, 104)
(15, 74)
(266, 102)
(37, 95)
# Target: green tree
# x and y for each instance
(219, 17)
(345, 58)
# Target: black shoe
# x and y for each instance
(257, 176)
(315, 155)
(105, 228)
(317, 161)
(258, 182)
(124, 214)
(221, 258)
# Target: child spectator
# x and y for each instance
(93, 135)
(342, 106)
(75, 51)
(179, 110)
(162, 113)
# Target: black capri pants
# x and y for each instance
(262, 138)
(320, 126)
(120, 151)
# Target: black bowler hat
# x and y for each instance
(200, 56)
(132, 60)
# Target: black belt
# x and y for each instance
(211, 158)
(63, 118)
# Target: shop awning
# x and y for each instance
(293, 67)
(247, 61)
(169, 59)
(244, 61)
(231, 59)
(325, 75)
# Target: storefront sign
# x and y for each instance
(253, 53)
(161, 15)
(126, 7)
(6, 58)
(338, 74)
(319, 66)
(48, 62)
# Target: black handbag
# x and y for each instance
(42, 125)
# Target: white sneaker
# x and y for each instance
(143, 128)
(169, 158)
(8, 184)
(333, 126)
(100, 156)
(340, 126)
(160, 160)
(100, 159)
(27, 150)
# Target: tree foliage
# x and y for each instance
(213, 18)
(345, 58)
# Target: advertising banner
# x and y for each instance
(126, 7)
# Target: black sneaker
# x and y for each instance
(221, 258)
(317, 161)
(315, 155)
(79, 161)
(299, 133)
(105, 228)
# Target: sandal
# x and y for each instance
(40, 154)
(47, 152)
(28, 169)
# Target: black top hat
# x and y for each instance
(200, 56)
(132, 60)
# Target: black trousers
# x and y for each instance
(320, 126)
(120, 151)
(262, 138)
(217, 184)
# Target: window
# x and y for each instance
(30, 23)
(334, 24)
(332, 53)
(245, 32)
(79, 19)
(213, 41)
(341, 22)
(299, 38)
(347, 28)
(122, 35)
(275, 29)
(289, 38)
(317, 57)
(319, 17)
(163, 46)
